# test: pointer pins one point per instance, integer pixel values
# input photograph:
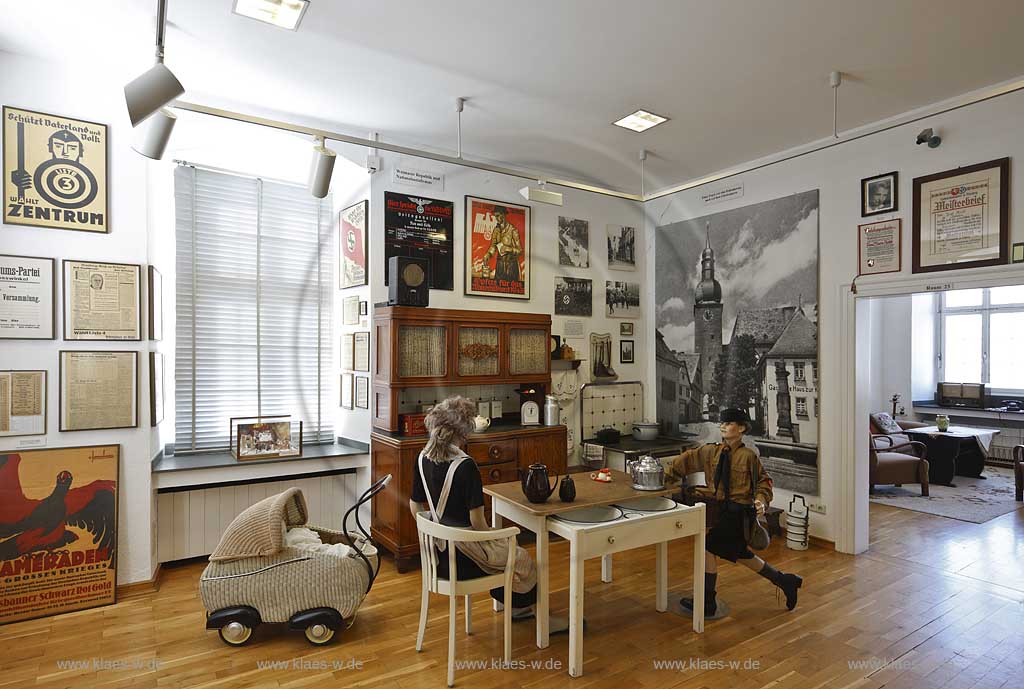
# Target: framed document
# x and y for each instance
(28, 310)
(497, 262)
(101, 301)
(156, 388)
(82, 572)
(879, 247)
(361, 354)
(362, 392)
(156, 304)
(353, 249)
(348, 351)
(55, 171)
(421, 228)
(22, 403)
(98, 390)
(962, 217)
(879, 194)
(350, 310)
(346, 390)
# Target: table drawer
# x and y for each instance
(493, 452)
(635, 533)
(499, 473)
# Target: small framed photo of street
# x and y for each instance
(626, 352)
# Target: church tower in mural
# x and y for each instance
(707, 315)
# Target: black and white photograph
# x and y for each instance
(621, 247)
(735, 299)
(879, 194)
(626, 329)
(573, 242)
(622, 299)
(574, 296)
(626, 352)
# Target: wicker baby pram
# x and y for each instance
(255, 577)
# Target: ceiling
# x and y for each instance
(739, 79)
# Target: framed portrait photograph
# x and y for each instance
(626, 355)
(55, 171)
(879, 247)
(622, 299)
(621, 241)
(22, 403)
(879, 194)
(962, 218)
(347, 392)
(156, 304)
(362, 392)
(573, 242)
(497, 257)
(353, 249)
(28, 307)
(98, 390)
(626, 329)
(156, 388)
(102, 301)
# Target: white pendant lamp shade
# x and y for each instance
(152, 137)
(150, 91)
(320, 173)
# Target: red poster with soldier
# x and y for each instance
(497, 249)
(58, 530)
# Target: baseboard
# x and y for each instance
(141, 587)
(822, 543)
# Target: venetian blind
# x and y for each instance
(254, 289)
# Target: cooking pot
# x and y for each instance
(608, 435)
(647, 473)
(645, 431)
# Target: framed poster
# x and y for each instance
(55, 172)
(626, 352)
(621, 241)
(422, 228)
(22, 403)
(362, 392)
(350, 310)
(497, 260)
(156, 388)
(28, 308)
(348, 351)
(962, 217)
(79, 554)
(622, 299)
(346, 390)
(879, 247)
(361, 351)
(353, 249)
(98, 390)
(101, 301)
(156, 304)
(879, 194)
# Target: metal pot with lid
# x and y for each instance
(646, 472)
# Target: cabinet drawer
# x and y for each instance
(499, 473)
(493, 452)
(636, 533)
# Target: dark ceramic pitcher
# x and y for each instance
(567, 491)
(536, 485)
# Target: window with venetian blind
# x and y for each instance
(254, 286)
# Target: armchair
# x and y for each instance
(1018, 471)
(894, 458)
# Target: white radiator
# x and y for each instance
(190, 522)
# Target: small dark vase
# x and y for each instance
(567, 490)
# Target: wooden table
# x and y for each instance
(508, 502)
(958, 451)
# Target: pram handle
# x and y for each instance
(368, 495)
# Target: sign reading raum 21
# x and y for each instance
(55, 171)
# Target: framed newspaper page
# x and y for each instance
(98, 390)
(102, 301)
(962, 217)
(22, 403)
(28, 307)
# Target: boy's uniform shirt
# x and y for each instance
(743, 464)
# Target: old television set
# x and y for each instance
(970, 395)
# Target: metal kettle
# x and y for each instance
(646, 472)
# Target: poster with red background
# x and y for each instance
(352, 242)
(497, 249)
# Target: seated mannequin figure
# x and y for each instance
(730, 494)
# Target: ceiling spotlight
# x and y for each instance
(640, 121)
(321, 169)
(153, 135)
(157, 86)
(541, 195)
(284, 14)
(928, 136)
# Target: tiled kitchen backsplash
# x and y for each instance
(618, 405)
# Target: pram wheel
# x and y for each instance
(319, 634)
(318, 624)
(235, 634)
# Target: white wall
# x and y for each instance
(972, 134)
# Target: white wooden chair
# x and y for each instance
(429, 531)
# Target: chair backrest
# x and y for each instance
(430, 531)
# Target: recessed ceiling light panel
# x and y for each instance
(639, 121)
(284, 14)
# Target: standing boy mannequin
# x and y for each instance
(729, 468)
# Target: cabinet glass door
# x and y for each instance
(478, 351)
(528, 352)
(422, 351)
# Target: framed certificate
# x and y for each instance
(361, 354)
(98, 390)
(879, 247)
(362, 392)
(962, 217)
(350, 310)
(346, 390)
(101, 301)
(22, 403)
(27, 307)
(348, 349)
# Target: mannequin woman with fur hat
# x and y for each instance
(730, 470)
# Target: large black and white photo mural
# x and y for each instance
(736, 294)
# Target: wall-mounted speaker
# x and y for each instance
(408, 281)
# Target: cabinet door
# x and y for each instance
(528, 351)
(547, 448)
(477, 351)
(421, 351)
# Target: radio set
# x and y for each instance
(408, 281)
(971, 395)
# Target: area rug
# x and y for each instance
(972, 500)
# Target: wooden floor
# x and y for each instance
(934, 603)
